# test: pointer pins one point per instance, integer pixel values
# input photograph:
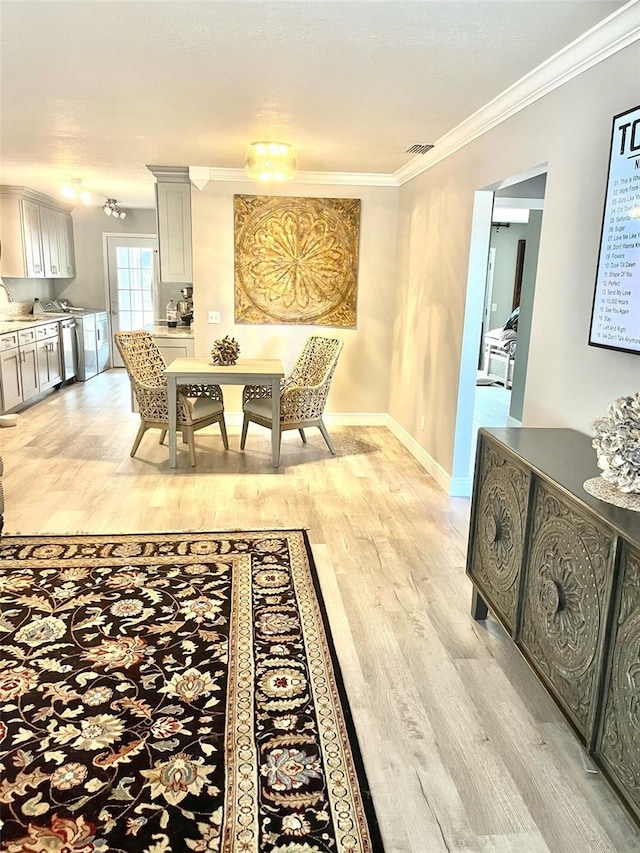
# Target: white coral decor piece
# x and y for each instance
(617, 443)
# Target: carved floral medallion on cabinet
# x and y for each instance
(567, 588)
(620, 739)
(296, 260)
(500, 526)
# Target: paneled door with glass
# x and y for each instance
(131, 263)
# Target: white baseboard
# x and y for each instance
(459, 487)
(420, 454)
(355, 418)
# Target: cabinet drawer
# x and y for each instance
(501, 493)
(27, 336)
(51, 330)
(618, 746)
(9, 341)
(566, 599)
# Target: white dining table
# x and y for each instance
(247, 371)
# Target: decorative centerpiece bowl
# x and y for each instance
(617, 445)
(225, 351)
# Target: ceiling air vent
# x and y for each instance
(418, 148)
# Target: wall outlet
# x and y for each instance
(213, 317)
(494, 306)
(422, 423)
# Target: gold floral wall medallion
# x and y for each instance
(296, 260)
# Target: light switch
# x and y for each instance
(214, 317)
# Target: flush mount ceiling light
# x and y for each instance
(73, 190)
(112, 209)
(270, 161)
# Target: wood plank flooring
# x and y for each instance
(463, 748)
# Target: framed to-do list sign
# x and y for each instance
(615, 319)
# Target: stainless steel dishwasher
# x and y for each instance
(69, 349)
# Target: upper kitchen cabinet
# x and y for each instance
(57, 243)
(36, 236)
(173, 212)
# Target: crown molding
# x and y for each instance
(170, 174)
(614, 33)
(201, 175)
(34, 195)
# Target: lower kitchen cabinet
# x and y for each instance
(49, 357)
(29, 364)
(561, 570)
(174, 347)
(10, 372)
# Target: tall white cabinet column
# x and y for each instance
(173, 212)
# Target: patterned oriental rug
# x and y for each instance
(173, 692)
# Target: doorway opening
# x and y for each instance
(503, 260)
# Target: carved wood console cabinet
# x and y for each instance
(561, 571)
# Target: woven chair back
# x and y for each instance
(317, 361)
(142, 358)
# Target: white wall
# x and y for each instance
(568, 383)
(361, 381)
(87, 289)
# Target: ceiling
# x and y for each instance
(96, 89)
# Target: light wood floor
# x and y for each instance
(463, 748)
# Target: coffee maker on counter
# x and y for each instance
(185, 306)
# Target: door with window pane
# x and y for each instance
(131, 263)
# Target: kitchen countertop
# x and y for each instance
(26, 321)
(161, 330)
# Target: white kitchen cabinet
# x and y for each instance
(36, 236)
(173, 215)
(57, 243)
(32, 240)
(50, 252)
(172, 348)
(10, 373)
(18, 368)
(48, 356)
(66, 247)
(29, 363)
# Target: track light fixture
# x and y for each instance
(112, 209)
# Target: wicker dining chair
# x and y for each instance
(303, 393)
(198, 405)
